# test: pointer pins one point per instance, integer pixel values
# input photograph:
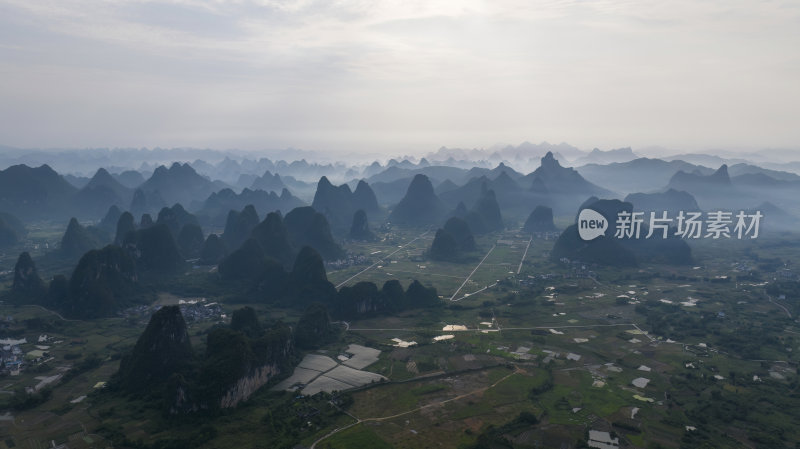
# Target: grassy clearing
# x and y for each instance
(358, 437)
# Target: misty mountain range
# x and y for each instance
(210, 190)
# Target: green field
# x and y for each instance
(563, 347)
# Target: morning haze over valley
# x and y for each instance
(293, 224)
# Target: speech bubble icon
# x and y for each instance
(591, 224)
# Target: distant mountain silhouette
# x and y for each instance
(155, 250)
(359, 230)
(308, 281)
(101, 192)
(13, 223)
(445, 186)
(76, 181)
(308, 267)
(78, 239)
(364, 198)
(246, 262)
(392, 192)
(268, 183)
(604, 250)
(638, 175)
(718, 191)
(438, 173)
(190, 241)
(740, 169)
(494, 173)
(307, 227)
(333, 202)
(488, 210)
(609, 250)
(453, 242)
(672, 201)
(102, 178)
(420, 206)
(101, 283)
(213, 251)
(130, 179)
(108, 223)
(774, 218)
(444, 246)
(178, 184)
(760, 180)
(8, 235)
(693, 182)
(503, 184)
(273, 238)
(175, 218)
(218, 204)
(338, 204)
(125, 224)
(484, 216)
(239, 226)
(540, 220)
(146, 221)
(146, 202)
(35, 193)
(504, 187)
(597, 156)
(537, 186)
(459, 229)
(26, 278)
(560, 180)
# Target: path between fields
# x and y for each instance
(452, 298)
(467, 295)
(524, 254)
(433, 404)
(779, 305)
(381, 259)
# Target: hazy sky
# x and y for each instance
(399, 76)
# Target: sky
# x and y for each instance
(399, 76)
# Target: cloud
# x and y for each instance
(400, 74)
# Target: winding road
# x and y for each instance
(433, 404)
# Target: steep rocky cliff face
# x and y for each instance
(236, 366)
(163, 366)
(162, 350)
(247, 385)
